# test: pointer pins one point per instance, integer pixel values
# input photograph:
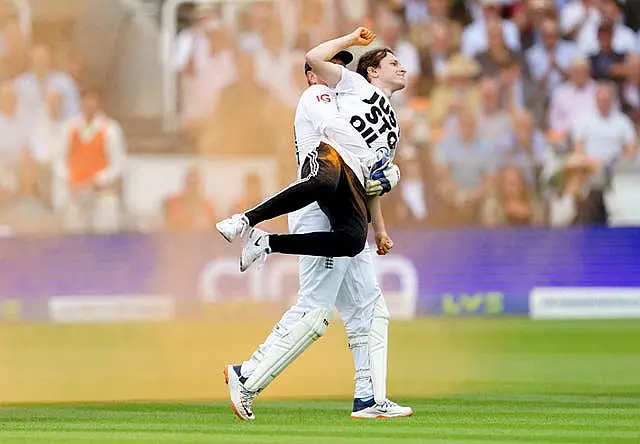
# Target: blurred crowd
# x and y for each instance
(61, 156)
(516, 112)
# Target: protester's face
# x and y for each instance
(391, 73)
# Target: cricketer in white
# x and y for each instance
(349, 284)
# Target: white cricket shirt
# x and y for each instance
(317, 120)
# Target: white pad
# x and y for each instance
(357, 342)
(378, 347)
(291, 343)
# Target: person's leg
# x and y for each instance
(319, 179)
(298, 328)
(349, 217)
(365, 315)
(348, 214)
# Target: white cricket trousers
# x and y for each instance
(348, 283)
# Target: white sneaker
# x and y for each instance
(386, 409)
(241, 398)
(256, 247)
(233, 227)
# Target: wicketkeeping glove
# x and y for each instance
(383, 181)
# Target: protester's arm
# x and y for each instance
(319, 58)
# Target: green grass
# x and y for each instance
(460, 419)
(509, 381)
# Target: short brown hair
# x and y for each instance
(371, 59)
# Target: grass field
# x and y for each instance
(468, 380)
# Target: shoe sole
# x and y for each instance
(382, 416)
(223, 235)
(235, 410)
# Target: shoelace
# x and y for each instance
(387, 404)
(246, 397)
(245, 225)
(242, 226)
(262, 259)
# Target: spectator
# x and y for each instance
(248, 118)
(191, 46)
(420, 11)
(434, 59)
(421, 27)
(630, 89)
(409, 208)
(513, 203)
(90, 165)
(573, 100)
(465, 164)
(274, 65)
(475, 39)
(607, 135)
(525, 149)
(624, 39)
(256, 21)
(549, 60)
(389, 30)
(31, 85)
(210, 70)
(518, 92)
(47, 131)
(494, 122)
(14, 127)
(577, 203)
(498, 53)
(457, 90)
(577, 15)
(606, 64)
(312, 24)
(529, 18)
(27, 210)
(189, 210)
(14, 39)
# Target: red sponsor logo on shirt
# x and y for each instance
(324, 98)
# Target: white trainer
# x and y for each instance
(233, 227)
(386, 409)
(256, 247)
(241, 398)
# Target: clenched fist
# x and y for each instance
(384, 244)
(362, 36)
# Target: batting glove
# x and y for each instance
(383, 181)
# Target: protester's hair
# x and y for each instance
(371, 59)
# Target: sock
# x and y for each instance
(360, 403)
(238, 370)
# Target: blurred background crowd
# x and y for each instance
(516, 113)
